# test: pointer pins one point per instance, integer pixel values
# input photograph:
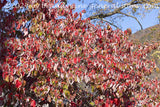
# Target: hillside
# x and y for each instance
(151, 34)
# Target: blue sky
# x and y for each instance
(148, 20)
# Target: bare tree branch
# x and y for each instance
(134, 18)
(111, 23)
(133, 2)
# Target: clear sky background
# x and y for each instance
(150, 18)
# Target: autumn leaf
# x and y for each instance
(18, 83)
(33, 103)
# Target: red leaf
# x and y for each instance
(49, 65)
(79, 60)
(33, 103)
(125, 32)
(142, 85)
(73, 104)
(107, 103)
(23, 2)
(62, 71)
(83, 11)
(17, 95)
(75, 15)
(18, 83)
(104, 71)
(56, 1)
(111, 101)
(18, 26)
(104, 86)
(14, 9)
(75, 60)
(116, 101)
(76, 33)
(158, 105)
(121, 76)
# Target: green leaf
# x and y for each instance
(40, 33)
(67, 93)
(30, 6)
(65, 87)
(35, 90)
(92, 103)
(5, 43)
(64, 53)
(92, 88)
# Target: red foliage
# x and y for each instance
(18, 84)
(63, 59)
(33, 103)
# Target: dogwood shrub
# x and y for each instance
(50, 55)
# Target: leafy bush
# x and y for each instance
(53, 56)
